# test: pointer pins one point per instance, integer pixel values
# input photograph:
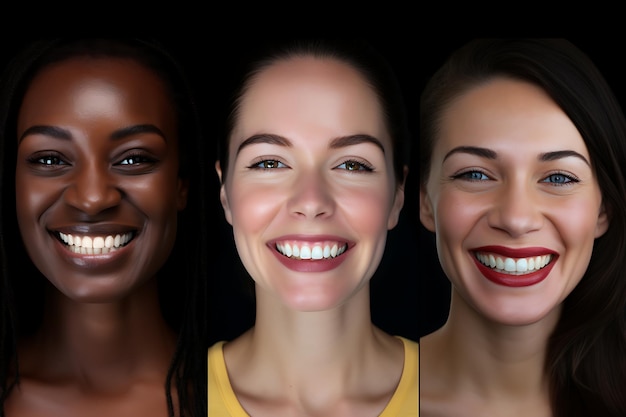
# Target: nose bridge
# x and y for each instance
(517, 209)
(92, 189)
(311, 195)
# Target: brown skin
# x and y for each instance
(104, 348)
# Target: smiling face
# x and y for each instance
(97, 176)
(310, 189)
(513, 200)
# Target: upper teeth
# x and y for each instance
(94, 245)
(311, 251)
(514, 265)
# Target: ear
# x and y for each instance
(427, 216)
(223, 195)
(182, 193)
(603, 221)
(398, 202)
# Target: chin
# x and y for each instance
(313, 303)
(524, 316)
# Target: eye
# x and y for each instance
(352, 165)
(472, 175)
(136, 159)
(559, 179)
(267, 164)
(51, 159)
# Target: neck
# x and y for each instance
(492, 359)
(101, 343)
(318, 355)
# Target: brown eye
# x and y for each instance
(352, 165)
(268, 164)
(47, 160)
(135, 159)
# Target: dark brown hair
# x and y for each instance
(586, 357)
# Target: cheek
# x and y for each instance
(456, 215)
(365, 210)
(32, 197)
(576, 222)
(253, 208)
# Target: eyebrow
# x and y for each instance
(61, 133)
(551, 156)
(490, 154)
(472, 150)
(336, 143)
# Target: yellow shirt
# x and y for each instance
(223, 402)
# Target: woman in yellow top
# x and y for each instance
(312, 176)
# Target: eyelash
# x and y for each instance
(48, 159)
(139, 157)
(569, 179)
(466, 176)
(361, 165)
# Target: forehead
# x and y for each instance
(507, 111)
(86, 85)
(303, 91)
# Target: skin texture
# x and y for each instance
(103, 347)
(298, 181)
(491, 350)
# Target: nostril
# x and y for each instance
(92, 198)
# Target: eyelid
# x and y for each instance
(142, 156)
(35, 159)
(364, 165)
(460, 175)
(572, 179)
(260, 160)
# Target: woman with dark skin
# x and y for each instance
(312, 172)
(523, 182)
(102, 304)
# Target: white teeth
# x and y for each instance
(315, 252)
(514, 266)
(95, 245)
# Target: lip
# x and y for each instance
(310, 265)
(515, 252)
(510, 280)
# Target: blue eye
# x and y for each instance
(559, 179)
(471, 176)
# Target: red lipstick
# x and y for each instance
(515, 280)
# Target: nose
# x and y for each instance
(517, 209)
(92, 189)
(311, 197)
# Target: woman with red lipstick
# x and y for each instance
(312, 175)
(522, 180)
(102, 286)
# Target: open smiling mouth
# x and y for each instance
(94, 245)
(306, 251)
(514, 266)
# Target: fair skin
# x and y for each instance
(511, 177)
(311, 166)
(97, 137)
